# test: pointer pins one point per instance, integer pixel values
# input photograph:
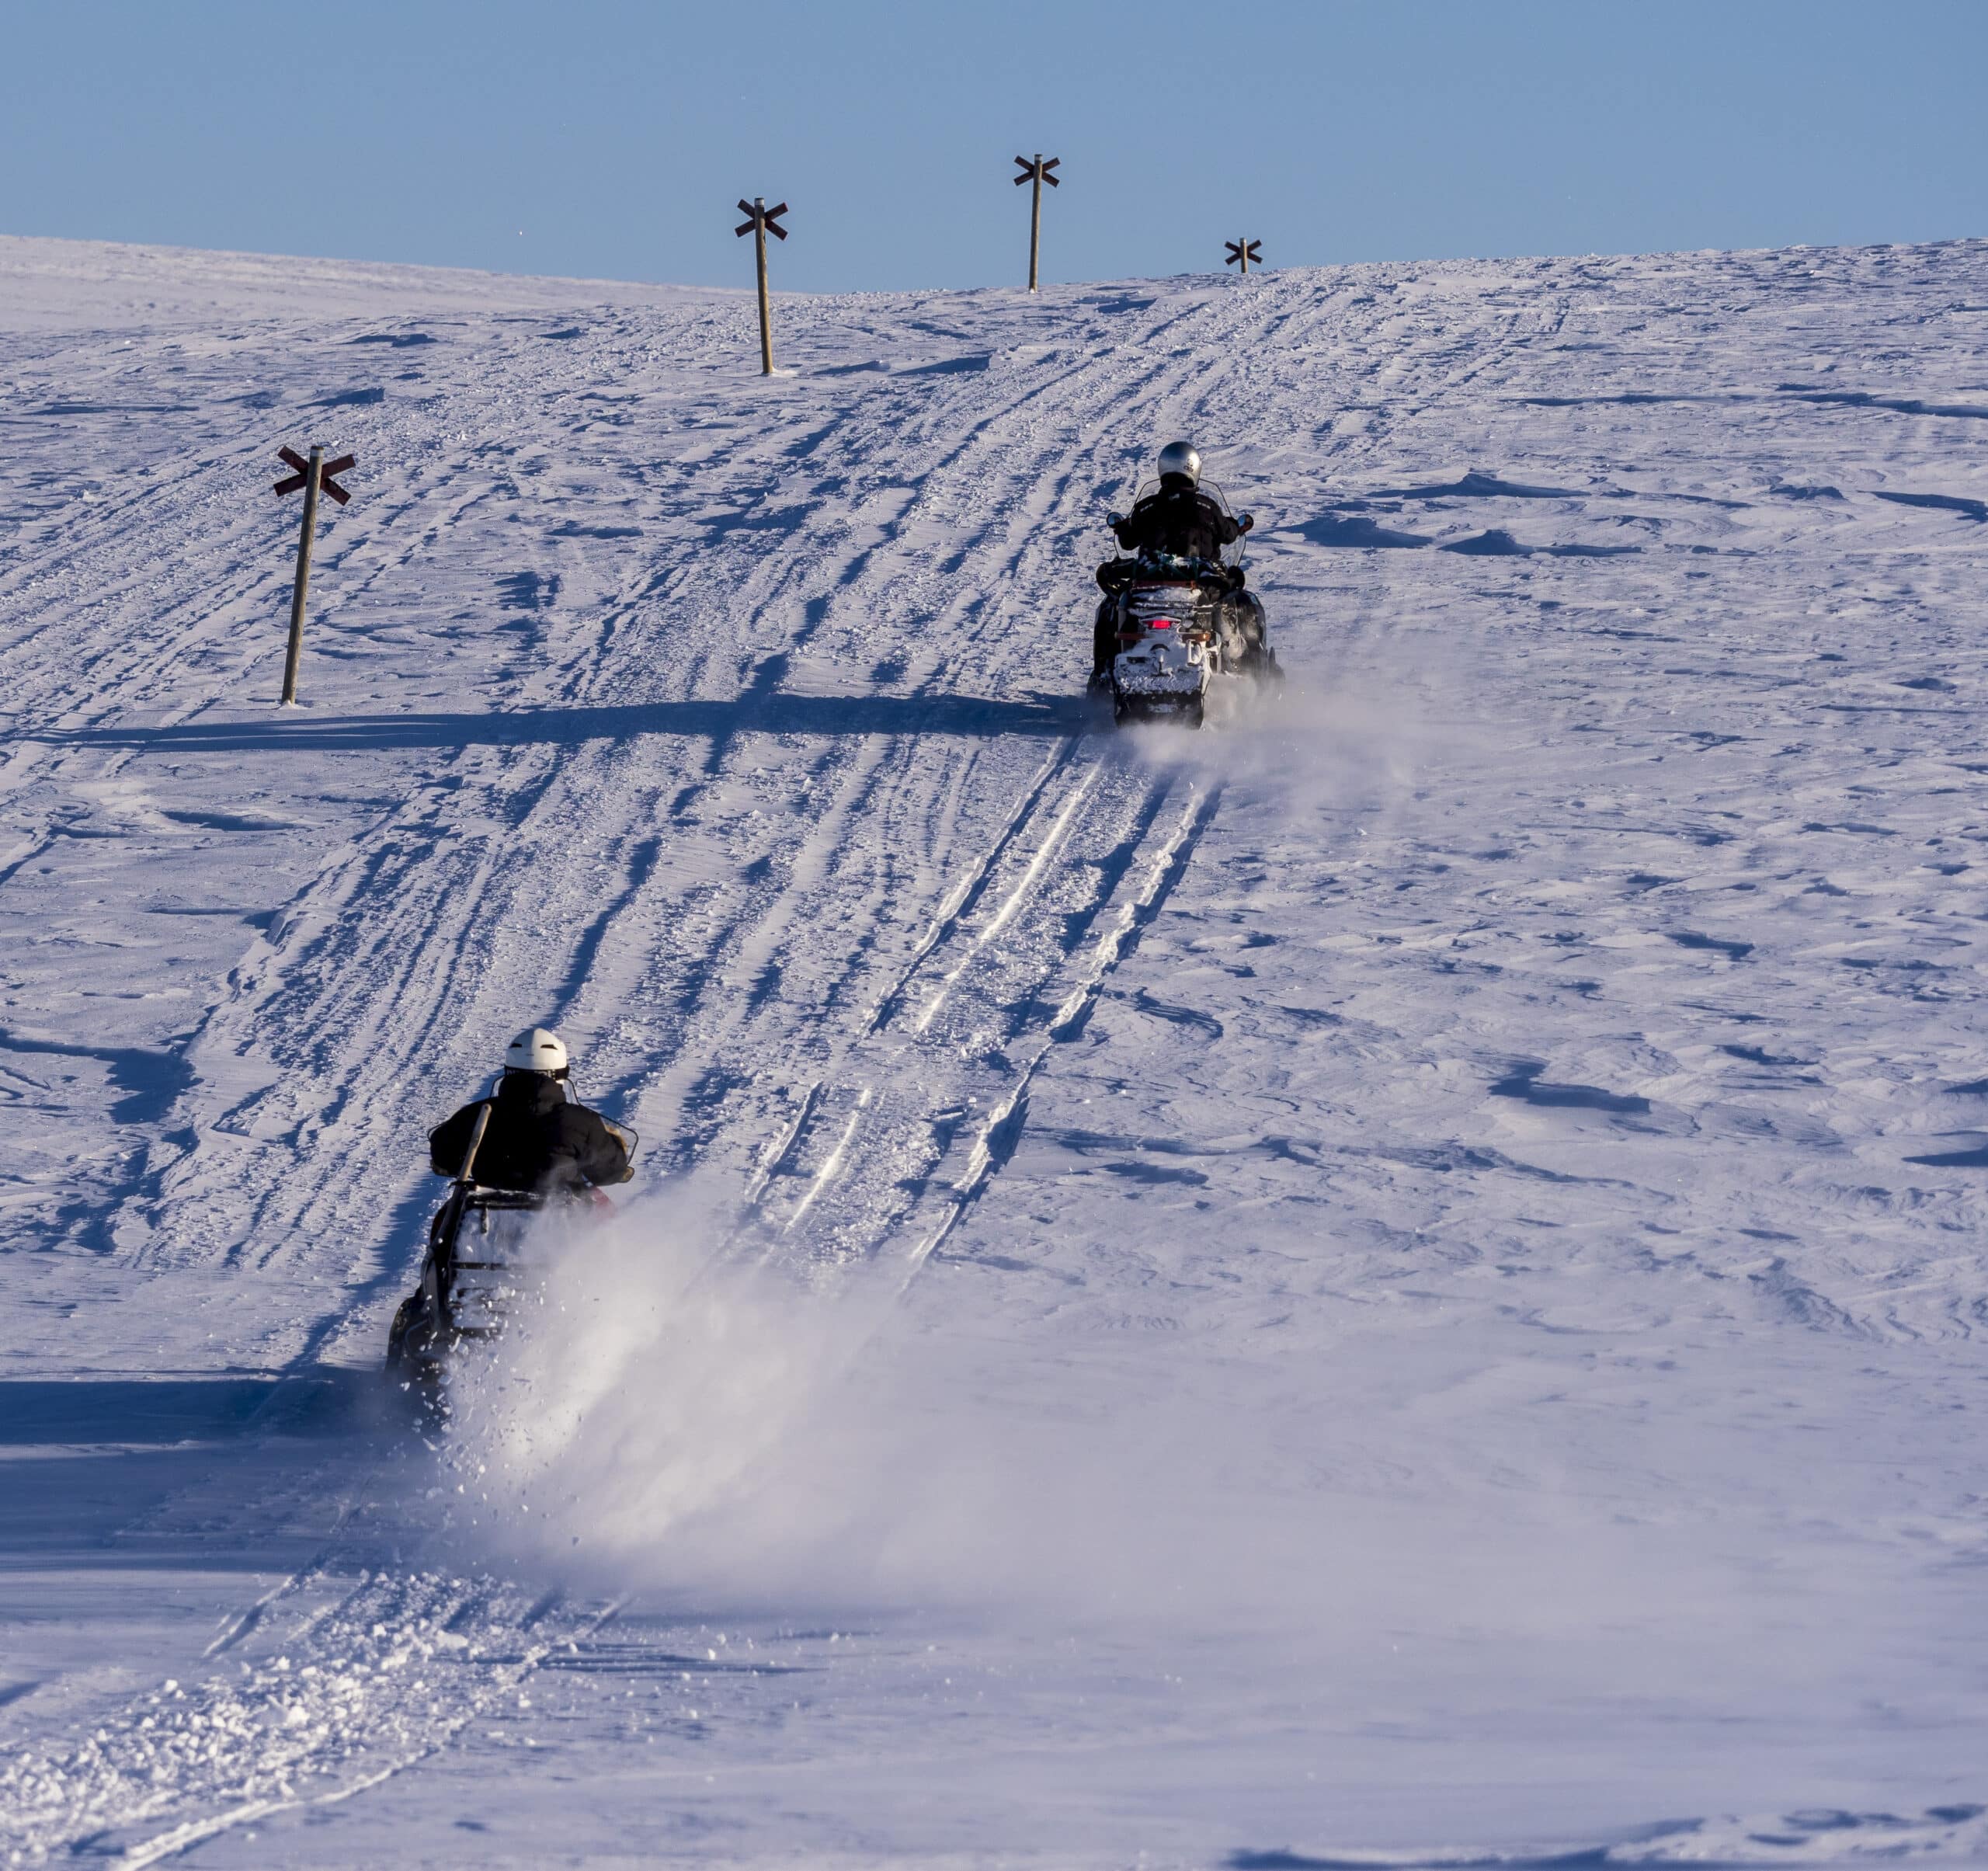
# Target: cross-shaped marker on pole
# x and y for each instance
(760, 221)
(290, 458)
(310, 476)
(1036, 172)
(1243, 253)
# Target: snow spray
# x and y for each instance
(665, 1416)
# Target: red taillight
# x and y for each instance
(1159, 624)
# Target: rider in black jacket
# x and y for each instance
(1179, 520)
(536, 1140)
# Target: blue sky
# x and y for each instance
(610, 139)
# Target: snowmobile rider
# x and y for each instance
(536, 1140)
(1179, 520)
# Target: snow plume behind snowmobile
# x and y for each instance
(676, 1419)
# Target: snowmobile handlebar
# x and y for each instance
(1244, 522)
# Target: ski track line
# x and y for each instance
(832, 1167)
(181, 1727)
(197, 1831)
(1161, 872)
(1167, 866)
(782, 1149)
(950, 920)
(1010, 905)
(917, 1084)
(243, 1625)
(960, 900)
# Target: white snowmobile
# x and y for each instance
(485, 1256)
(1187, 633)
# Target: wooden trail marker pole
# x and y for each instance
(761, 221)
(1242, 252)
(309, 476)
(1036, 172)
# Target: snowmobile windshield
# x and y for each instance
(623, 1135)
(1232, 553)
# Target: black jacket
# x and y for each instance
(1179, 520)
(535, 1140)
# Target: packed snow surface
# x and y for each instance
(1397, 1281)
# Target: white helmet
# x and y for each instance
(537, 1049)
(1181, 458)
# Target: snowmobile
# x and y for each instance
(485, 1256)
(1186, 631)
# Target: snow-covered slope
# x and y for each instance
(1402, 1277)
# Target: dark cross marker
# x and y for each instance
(310, 476)
(761, 221)
(1242, 252)
(1036, 172)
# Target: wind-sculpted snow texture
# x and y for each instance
(1398, 1281)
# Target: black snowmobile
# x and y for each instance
(480, 1263)
(1186, 631)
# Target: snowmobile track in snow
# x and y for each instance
(917, 1105)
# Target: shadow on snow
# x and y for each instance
(757, 713)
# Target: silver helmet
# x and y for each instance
(536, 1049)
(1181, 458)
